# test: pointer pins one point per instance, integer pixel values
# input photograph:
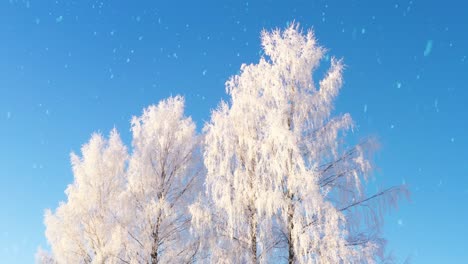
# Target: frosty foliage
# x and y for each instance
(84, 229)
(123, 209)
(161, 176)
(44, 257)
(280, 183)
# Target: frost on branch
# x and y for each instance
(162, 175)
(133, 209)
(281, 185)
(44, 257)
(83, 229)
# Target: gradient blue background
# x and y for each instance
(68, 68)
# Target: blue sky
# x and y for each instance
(68, 68)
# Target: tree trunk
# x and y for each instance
(253, 234)
(290, 225)
(155, 246)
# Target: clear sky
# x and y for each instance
(68, 68)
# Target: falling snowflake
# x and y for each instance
(428, 48)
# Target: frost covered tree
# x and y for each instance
(281, 183)
(84, 229)
(162, 177)
(133, 209)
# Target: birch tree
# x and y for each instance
(162, 177)
(84, 228)
(281, 183)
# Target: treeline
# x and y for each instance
(270, 178)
